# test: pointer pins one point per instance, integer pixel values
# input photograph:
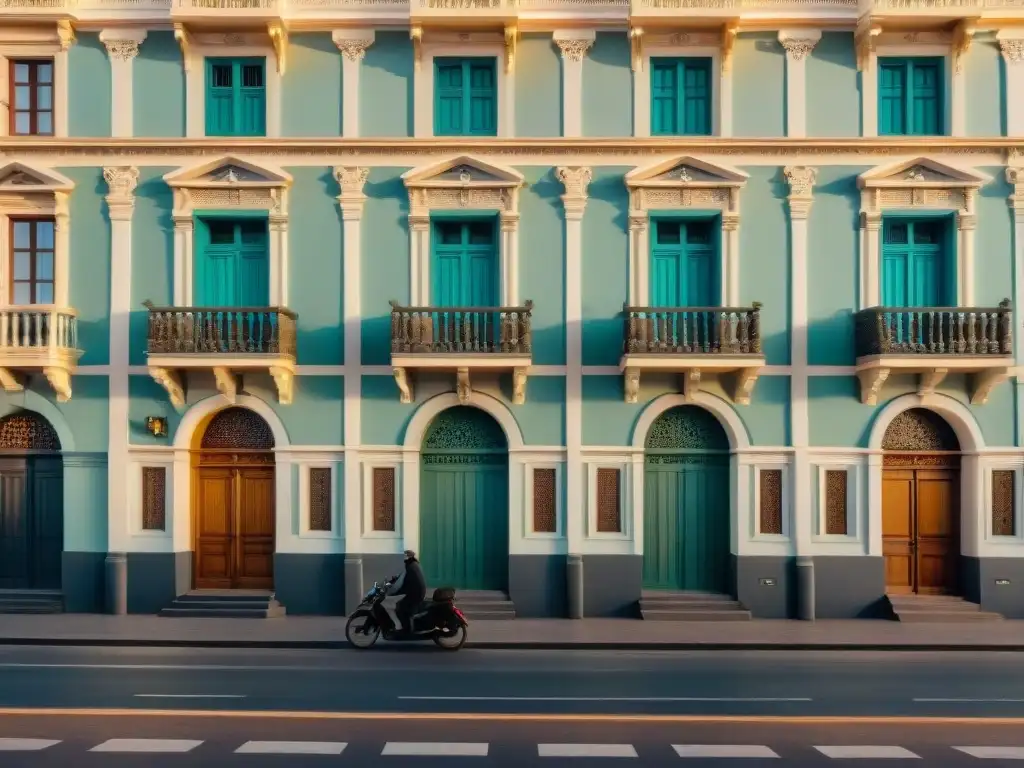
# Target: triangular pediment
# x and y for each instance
(462, 170)
(921, 170)
(686, 170)
(228, 171)
(22, 177)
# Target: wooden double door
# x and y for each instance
(234, 522)
(921, 530)
(31, 522)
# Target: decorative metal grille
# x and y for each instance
(384, 498)
(918, 429)
(27, 431)
(320, 496)
(544, 502)
(835, 502)
(240, 429)
(609, 500)
(687, 427)
(154, 498)
(1004, 503)
(771, 501)
(464, 428)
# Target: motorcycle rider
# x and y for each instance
(412, 585)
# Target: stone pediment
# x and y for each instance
(685, 171)
(25, 179)
(921, 171)
(228, 171)
(462, 171)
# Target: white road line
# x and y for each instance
(648, 699)
(994, 753)
(434, 749)
(189, 696)
(970, 701)
(146, 745)
(586, 750)
(292, 748)
(864, 751)
(25, 745)
(723, 750)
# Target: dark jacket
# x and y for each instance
(412, 583)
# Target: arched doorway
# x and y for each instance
(31, 503)
(921, 505)
(233, 502)
(464, 501)
(686, 502)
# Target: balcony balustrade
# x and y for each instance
(38, 338)
(227, 341)
(693, 341)
(460, 340)
(933, 342)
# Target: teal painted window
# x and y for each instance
(916, 263)
(236, 97)
(680, 96)
(232, 263)
(683, 263)
(466, 96)
(464, 263)
(910, 99)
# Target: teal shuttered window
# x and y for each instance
(236, 97)
(232, 263)
(680, 96)
(466, 96)
(910, 94)
(465, 263)
(683, 270)
(916, 263)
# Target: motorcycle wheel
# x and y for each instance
(451, 640)
(361, 631)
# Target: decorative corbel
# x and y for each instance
(60, 380)
(279, 39)
(519, 385)
(462, 387)
(511, 38)
(745, 379)
(729, 32)
(984, 382)
(864, 40)
(963, 35)
(11, 381)
(928, 381)
(227, 383)
(284, 380)
(171, 381)
(691, 384)
(631, 384)
(404, 385)
(65, 34)
(181, 34)
(871, 381)
(416, 35)
(636, 48)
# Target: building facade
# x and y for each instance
(583, 301)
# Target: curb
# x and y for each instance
(513, 646)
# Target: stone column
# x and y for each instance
(352, 43)
(798, 44)
(1015, 176)
(121, 184)
(573, 44)
(574, 202)
(122, 47)
(801, 185)
(1013, 56)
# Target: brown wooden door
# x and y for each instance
(920, 531)
(234, 528)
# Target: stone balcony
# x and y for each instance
(226, 341)
(38, 339)
(694, 342)
(461, 341)
(931, 343)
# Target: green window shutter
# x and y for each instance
(892, 97)
(465, 97)
(236, 97)
(465, 263)
(697, 97)
(252, 98)
(910, 96)
(683, 271)
(220, 89)
(926, 97)
(448, 97)
(681, 96)
(914, 263)
(483, 98)
(664, 97)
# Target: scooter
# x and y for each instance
(437, 619)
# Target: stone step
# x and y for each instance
(214, 603)
(224, 605)
(937, 609)
(226, 596)
(486, 615)
(673, 597)
(946, 617)
(224, 613)
(676, 615)
(690, 605)
(484, 605)
(911, 607)
(31, 601)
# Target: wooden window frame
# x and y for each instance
(625, 508)
(12, 222)
(528, 517)
(305, 499)
(34, 111)
(787, 501)
(367, 498)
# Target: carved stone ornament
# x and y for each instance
(574, 50)
(575, 181)
(801, 180)
(229, 182)
(122, 50)
(1015, 176)
(685, 182)
(920, 183)
(464, 182)
(351, 182)
(121, 183)
(353, 50)
(1013, 50)
(798, 48)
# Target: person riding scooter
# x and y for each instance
(413, 587)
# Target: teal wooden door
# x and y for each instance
(465, 263)
(914, 264)
(464, 502)
(683, 264)
(686, 503)
(232, 263)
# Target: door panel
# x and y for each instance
(938, 537)
(232, 263)
(47, 532)
(255, 544)
(215, 502)
(898, 530)
(14, 524)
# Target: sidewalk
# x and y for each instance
(523, 634)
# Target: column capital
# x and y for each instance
(351, 181)
(122, 44)
(575, 180)
(1012, 50)
(801, 179)
(1015, 176)
(574, 44)
(730, 222)
(799, 43)
(352, 43)
(121, 183)
(870, 220)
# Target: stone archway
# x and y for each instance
(464, 514)
(686, 502)
(921, 504)
(233, 501)
(31, 503)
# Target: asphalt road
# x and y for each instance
(428, 681)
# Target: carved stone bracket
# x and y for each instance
(984, 382)
(743, 385)
(963, 36)
(631, 384)
(865, 42)
(404, 382)
(462, 387)
(691, 384)
(284, 380)
(60, 380)
(871, 381)
(519, 385)
(227, 383)
(511, 41)
(171, 381)
(928, 381)
(278, 34)
(416, 36)
(184, 39)
(11, 381)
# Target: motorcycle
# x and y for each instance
(436, 619)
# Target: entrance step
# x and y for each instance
(937, 609)
(225, 604)
(690, 606)
(484, 605)
(31, 601)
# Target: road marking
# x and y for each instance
(25, 745)
(970, 701)
(292, 748)
(586, 750)
(994, 753)
(723, 750)
(610, 699)
(189, 696)
(864, 751)
(146, 745)
(433, 749)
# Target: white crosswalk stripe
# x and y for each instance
(723, 750)
(434, 749)
(291, 748)
(586, 750)
(993, 753)
(26, 745)
(866, 752)
(146, 745)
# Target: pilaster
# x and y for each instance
(1013, 56)
(352, 43)
(1015, 176)
(122, 47)
(798, 44)
(574, 45)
